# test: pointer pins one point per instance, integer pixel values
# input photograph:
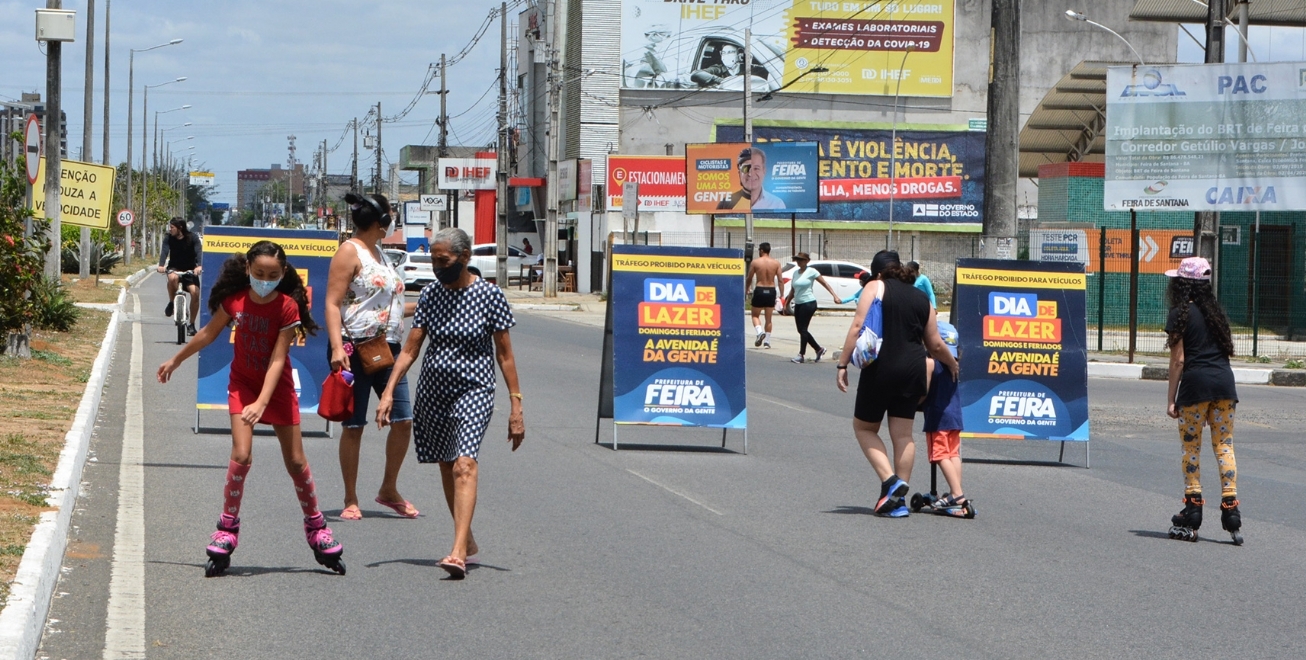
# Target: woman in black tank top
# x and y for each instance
(898, 379)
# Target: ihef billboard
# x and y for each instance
(862, 47)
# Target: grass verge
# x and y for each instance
(41, 397)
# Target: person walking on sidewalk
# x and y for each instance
(466, 321)
(266, 300)
(897, 381)
(762, 282)
(1201, 392)
(364, 300)
(804, 304)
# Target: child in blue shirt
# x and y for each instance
(943, 428)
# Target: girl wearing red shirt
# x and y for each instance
(265, 302)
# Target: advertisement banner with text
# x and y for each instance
(467, 173)
(1206, 137)
(1024, 363)
(865, 46)
(713, 180)
(309, 252)
(678, 336)
(661, 181)
(938, 169)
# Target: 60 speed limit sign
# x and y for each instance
(125, 218)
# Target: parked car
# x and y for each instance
(414, 267)
(485, 263)
(842, 276)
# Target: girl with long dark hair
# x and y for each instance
(1201, 392)
(265, 301)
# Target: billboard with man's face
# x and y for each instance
(863, 47)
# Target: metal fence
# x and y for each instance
(1264, 295)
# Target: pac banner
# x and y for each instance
(1206, 137)
(309, 252)
(1023, 358)
(678, 342)
(86, 194)
(661, 181)
(866, 46)
(938, 168)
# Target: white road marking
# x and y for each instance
(778, 402)
(125, 626)
(673, 491)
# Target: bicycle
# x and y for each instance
(181, 303)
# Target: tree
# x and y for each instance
(22, 255)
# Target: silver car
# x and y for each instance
(414, 267)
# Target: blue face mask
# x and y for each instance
(263, 288)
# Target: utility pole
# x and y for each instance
(444, 114)
(105, 154)
(1206, 222)
(501, 176)
(748, 137)
(353, 168)
(88, 101)
(53, 158)
(290, 179)
(1002, 143)
(322, 181)
(378, 147)
(558, 41)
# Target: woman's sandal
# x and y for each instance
(354, 514)
(456, 567)
(402, 508)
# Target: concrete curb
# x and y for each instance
(1242, 375)
(23, 619)
(137, 276)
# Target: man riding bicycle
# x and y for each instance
(180, 259)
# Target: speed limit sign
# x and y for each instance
(125, 217)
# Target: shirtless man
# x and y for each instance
(766, 272)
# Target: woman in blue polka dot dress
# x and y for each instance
(466, 320)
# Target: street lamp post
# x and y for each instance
(893, 145)
(131, 81)
(1073, 15)
(145, 173)
(171, 164)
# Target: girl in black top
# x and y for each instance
(1201, 392)
(899, 378)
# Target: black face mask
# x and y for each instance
(449, 274)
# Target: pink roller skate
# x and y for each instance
(222, 544)
(326, 550)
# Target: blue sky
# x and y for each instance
(260, 71)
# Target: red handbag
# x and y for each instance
(337, 402)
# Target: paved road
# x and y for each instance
(595, 553)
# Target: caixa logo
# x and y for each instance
(1241, 195)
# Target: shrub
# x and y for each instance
(21, 259)
(100, 260)
(54, 310)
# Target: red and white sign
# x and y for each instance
(467, 173)
(851, 190)
(32, 147)
(126, 218)
(661, 181)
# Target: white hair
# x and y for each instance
(457, 239)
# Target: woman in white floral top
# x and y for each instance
(365, 298)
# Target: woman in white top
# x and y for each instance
(365, 298)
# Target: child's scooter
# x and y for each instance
(920, 502)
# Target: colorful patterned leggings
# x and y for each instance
(1219, 416)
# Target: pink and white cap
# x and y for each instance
(1192, 268)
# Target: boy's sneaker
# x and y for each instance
(190, 329)
(761, 337)
(167, 311)
(766, 343)
(798, 360)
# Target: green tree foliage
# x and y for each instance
(21, 258)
